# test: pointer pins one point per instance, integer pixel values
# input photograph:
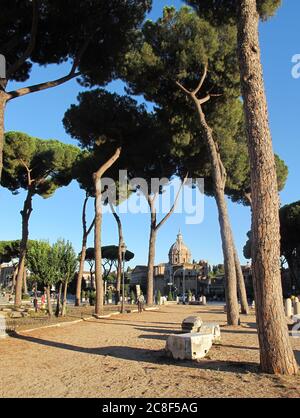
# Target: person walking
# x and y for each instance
(141, 301)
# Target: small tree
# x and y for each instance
(43, 262)
(67, 267)
(39, 167)
(9, 253)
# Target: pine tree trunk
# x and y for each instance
(58, 302)
(241, 284)
(119, 265)
(92, 278)
(85, 235)
(2, 113)
(225, 228)
(80, 272)
(98, 225)
(50, 312)
(64, 304)
(25, 289)
(151, 261)
(276, 354)
(83, 254)
(27, 209)
(97, 246)
(13, 288)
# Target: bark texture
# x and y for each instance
(58, 302)
(64, 304)
(241, 284)
(25, 213)
(25, 288)
(97, 246)
(276, 354)
(13, 287)
(151, 259)
(49, 305)
(97, 232)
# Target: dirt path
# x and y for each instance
(123, 357)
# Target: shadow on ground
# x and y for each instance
(147, 356)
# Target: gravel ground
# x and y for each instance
(123, 356)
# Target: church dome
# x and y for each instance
(179, 253)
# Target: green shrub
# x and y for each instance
(25, 296)
(170, 296)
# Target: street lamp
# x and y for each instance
(123, 251)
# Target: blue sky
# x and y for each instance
(40, 115)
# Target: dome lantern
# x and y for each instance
(179, 253)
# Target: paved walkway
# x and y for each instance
(123, 357)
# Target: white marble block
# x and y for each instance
(212, 328)
(297, 308)
(3, 333)
(288, 308)
(192, 346)
(191, 324)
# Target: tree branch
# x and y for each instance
(83, 217)
(42, 86)
(151, 203)
(90, 227)
(81, 52)
(189, 93)
(98, 174)
(196, 91)
(174, 204)
(35, 17)
(30, 181)
(248, 197)
(116, 216)
(204, 99)
(222, 170)
(54, 83)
